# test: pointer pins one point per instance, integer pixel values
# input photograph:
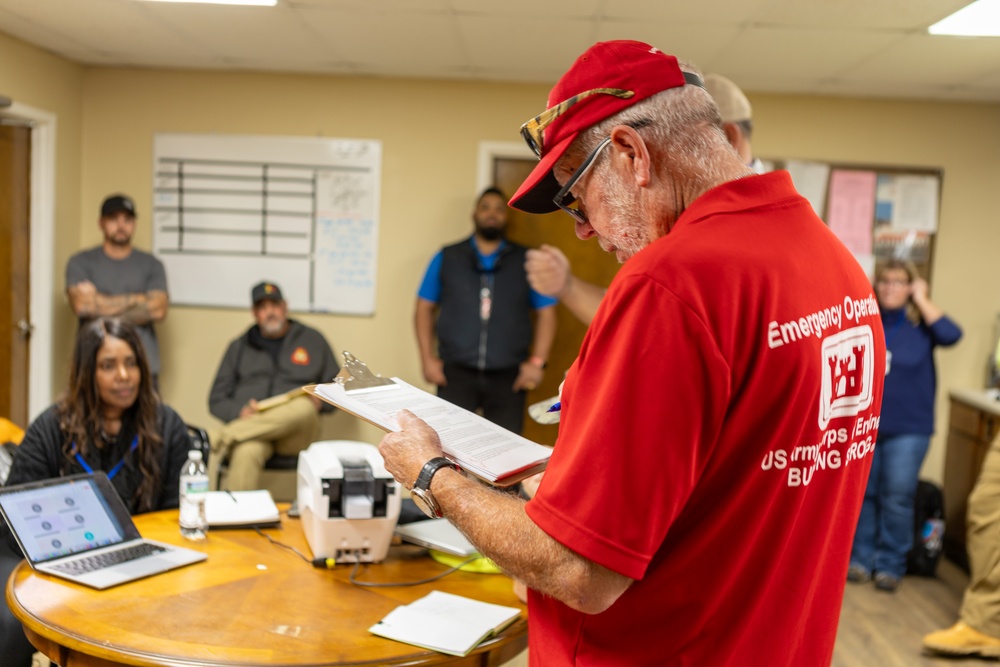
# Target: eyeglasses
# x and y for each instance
(533, 129)
(563, 198)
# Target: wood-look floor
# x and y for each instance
(884, 629)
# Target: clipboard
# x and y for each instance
(478, 446)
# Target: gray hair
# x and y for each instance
(683, 123)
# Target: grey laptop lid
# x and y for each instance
(439, 534)
(61, 521)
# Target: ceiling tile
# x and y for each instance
(860, 14)
(696, 43)
(931, 60)
(540, 43)
(56, 26)
(843, 47)
(278, 35)
(723, 11)
(759, 55)
(528, 11)
(390, 43)
(426, 6)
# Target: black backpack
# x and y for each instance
(928, 530)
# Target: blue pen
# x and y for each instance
(556, 407)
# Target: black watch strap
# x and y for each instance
(430, 469)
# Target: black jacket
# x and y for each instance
(502, 341)
(249, 371)
(40, 456)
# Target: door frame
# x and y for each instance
(42, 252)
(490, 150)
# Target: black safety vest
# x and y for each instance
(484, 318)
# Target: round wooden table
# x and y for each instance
(251, 603)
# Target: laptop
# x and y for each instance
(439, 534)
(77, 527)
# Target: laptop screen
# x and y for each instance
(63, 516)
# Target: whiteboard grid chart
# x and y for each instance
(231, 211)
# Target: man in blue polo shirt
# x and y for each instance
(475, 297)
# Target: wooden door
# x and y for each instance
(589, 263)
(15, 160)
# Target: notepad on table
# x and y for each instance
(444, 622)
(241, 509)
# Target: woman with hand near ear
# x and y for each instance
(913, 326)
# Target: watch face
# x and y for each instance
(425, 505)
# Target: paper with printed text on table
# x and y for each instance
(476, 444)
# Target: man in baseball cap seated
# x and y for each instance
(271, 360)
(699, 506)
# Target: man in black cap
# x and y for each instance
(115, 279)
(272, 360)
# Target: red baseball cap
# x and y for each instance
(607, 78)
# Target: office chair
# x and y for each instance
(278, 476)
(199, 441)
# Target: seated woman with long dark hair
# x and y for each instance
(109, 419)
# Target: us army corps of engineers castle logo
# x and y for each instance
(848, 374)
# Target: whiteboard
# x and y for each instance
(230, 211)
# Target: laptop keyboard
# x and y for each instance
(99, 562)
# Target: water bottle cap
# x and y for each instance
(194, 454)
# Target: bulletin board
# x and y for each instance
(230, 211)
(880, 213)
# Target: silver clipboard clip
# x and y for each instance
(355, 374)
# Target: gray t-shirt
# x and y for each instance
(139, 272)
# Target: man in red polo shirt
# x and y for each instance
(717, 426)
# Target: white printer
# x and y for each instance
(348, 502)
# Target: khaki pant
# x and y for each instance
(981, 604)
(285, 430)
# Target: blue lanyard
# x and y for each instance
(118, 466)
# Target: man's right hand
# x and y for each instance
(548, 271)
(249, 410)
(434, 372)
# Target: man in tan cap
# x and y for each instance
(737, 117)
(549, 270)
(717, 427)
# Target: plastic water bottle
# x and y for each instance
(193, 491)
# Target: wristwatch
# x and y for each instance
(421, 491)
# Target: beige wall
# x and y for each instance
(430, 133)
(45, 82)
